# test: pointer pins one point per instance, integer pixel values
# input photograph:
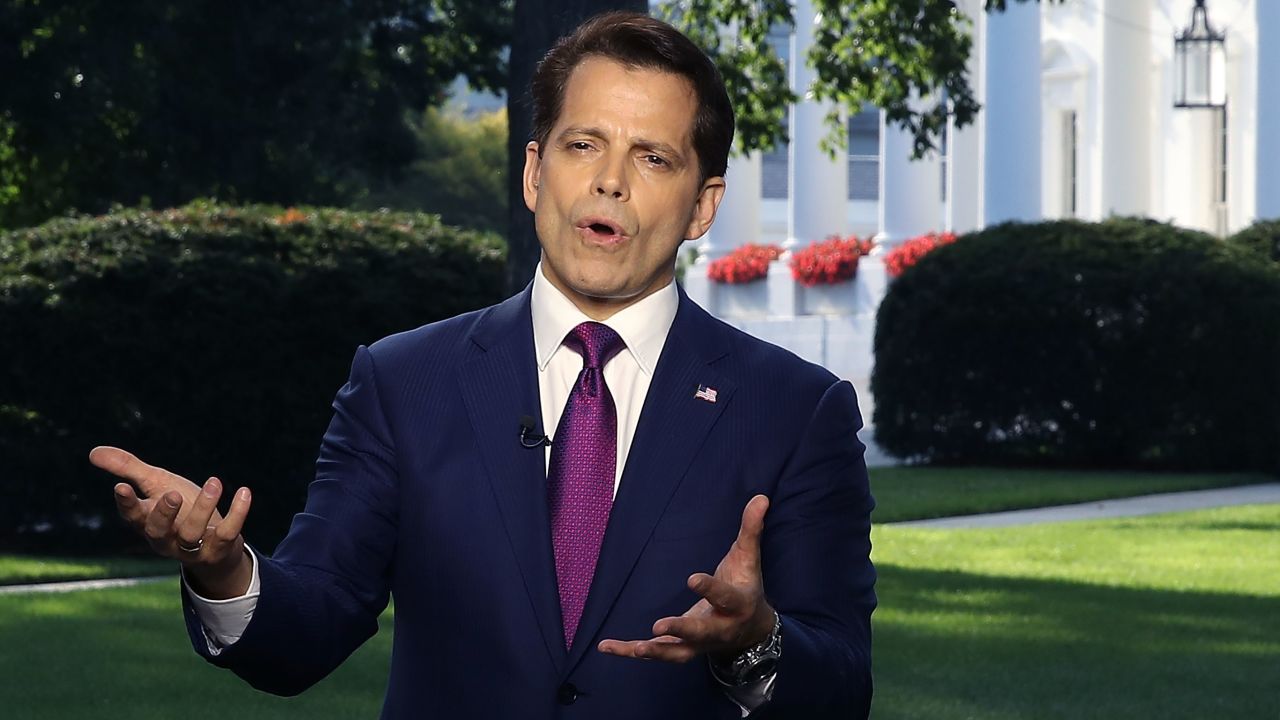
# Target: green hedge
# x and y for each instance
(207, 339)
(1262, 237)
(1127, 343)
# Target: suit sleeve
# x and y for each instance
(328, 581)
(816, 555)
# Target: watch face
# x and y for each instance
(766, 667)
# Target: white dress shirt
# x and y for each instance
(643, 327)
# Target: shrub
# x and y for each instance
(831, 261)
(897, 260)
(460, 173)
(1262, 237)
(1127, 343)
(746, 263)
(207, 339)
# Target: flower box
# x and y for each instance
(897, 260)
(832, 261)
(741, 300)
(834, 299)
(746, 264)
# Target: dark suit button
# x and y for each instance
(567, 694)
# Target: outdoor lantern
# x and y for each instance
(1200, 55)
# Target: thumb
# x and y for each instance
(151, 480)
(752, 527)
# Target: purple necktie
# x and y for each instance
(584, 456)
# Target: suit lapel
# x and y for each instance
(499, 387)
(673, 426)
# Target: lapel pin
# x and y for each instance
(705, 393)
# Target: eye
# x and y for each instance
(579, 145)
(656, 160)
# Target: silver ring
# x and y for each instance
(191, 548)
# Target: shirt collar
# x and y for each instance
(643, 326)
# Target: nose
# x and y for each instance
(611, 178)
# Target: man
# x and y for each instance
(538, 581)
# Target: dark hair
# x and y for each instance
(636, 40)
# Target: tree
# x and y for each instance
(907, 57)
(460, 172)
(889, 53)
(158, 102)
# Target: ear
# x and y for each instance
(532, 174)
(704, 209)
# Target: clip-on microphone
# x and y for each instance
(528, 438)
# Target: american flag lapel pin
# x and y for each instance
(705, 393)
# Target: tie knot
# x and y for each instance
(596, 342)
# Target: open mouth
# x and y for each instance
(601, 228)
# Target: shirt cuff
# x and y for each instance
(749, 697)
(224, 621)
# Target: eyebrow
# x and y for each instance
(654, 145)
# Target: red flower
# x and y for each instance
(897, 260)
(748, 262)
(291, 216)
(831, 261)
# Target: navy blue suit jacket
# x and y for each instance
(424, 492)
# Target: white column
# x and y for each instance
(910, 190)
(964, 145)
(818, 186)
(1011, 114)
(1189, 155)
(1126, 107)
(1268, 97)
(738, 219)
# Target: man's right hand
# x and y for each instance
(181, 521)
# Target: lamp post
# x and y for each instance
(1200, 55)
(1200, 61)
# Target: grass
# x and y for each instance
(902, 493)
(123, 654)
(916, 493)
(1169, 616)
(21, 569)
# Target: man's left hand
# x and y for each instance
(732, 615)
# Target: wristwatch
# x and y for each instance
(757, 662)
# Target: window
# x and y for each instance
(1220, 170)
(864, 155)
(1070, 163)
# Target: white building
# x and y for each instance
(1078, 121)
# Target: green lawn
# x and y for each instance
(1168, 616)
(902, 493)
(123, 654)
(1172, 616)
(19, 569)
(916, 493)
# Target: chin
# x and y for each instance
(604, 291)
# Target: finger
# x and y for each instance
(151, 480)
(669, 649)
(129, 507)
(159, 525)
(752, 526)
(664, 648)
(700, 631)
(722, 595)
(193, 527)
(229, 529)
(621, 648)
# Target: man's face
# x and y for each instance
(616, 189)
